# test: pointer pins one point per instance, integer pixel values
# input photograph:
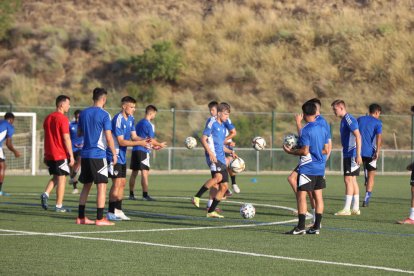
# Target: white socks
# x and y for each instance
(348, 201)
(412, 213)
(354, 199)
(209, 202)
(355, 206)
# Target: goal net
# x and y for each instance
(24, 140)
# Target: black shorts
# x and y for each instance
(311, 182)
(221, 169)
(369, 164)
(94, 170)
(58, 167)
(412, 178)
(117, 171)
(77, 154)
(140, 161)
(351, 168)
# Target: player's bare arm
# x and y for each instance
(298, 120)
(299, 152)
(358, 158)
(110, 142)
(207, 149)
(326, 150)
(68, 145)
(232, 152)
(378, 144)
(10, 146)
(232, 133)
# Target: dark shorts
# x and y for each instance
(140, 161)
(412, 178)
(369, 164)
(221, 169)
(94, 170)
(296, 169)
(351, 168)
(117, 171)
(77, 154)
(311, 182)
(58, 167)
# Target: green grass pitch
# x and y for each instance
(171, 237)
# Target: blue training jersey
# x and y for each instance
(369, 127)
(348, 141)
(120, 127)
(144, 129)
(315, 137)
(77, 141)
(6, 131)
(216, 134)
(93, 121)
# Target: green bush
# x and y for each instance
(159, 63)
(7, 10)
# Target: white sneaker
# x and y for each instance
(112, 217)
(75, 191)
(120, 214)
(236, 189)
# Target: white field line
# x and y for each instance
(251, 254)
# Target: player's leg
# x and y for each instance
(349, 188)
(234, 185)
(60, 183)
(110, 215)
(355, 204)
(144, 185)
(293, 180)
(74, 172)
(221, 178)
(118, 206)
(214, 180)
(2, 174)
(319, 208)
(132, 180)
(370, 167)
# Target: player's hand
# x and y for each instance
(114, 159)
(234, 155)
(232, 144)
(163, 145)
(17, 154)
(71, 161)
(358, 160)
(298, 118)
(287, 149)
(375, 156)
(213, 158)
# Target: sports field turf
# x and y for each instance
(171, 237)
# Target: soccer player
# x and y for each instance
(314, 143)
(410, 219)
(124, 135)
(213, 142)
(95, 126)
(58, 148)
(77, 144)
(370, 128)
(6, 133)
(351, 143)
(293, 177)
(140, 159)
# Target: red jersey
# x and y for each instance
(55, 125)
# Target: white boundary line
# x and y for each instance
(251, 254)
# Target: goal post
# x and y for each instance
(24, 140)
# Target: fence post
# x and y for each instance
(330, 158)
(257, 162)
(382, 161)
(412, 137)
(173, 137)
(273, 139)
(169, 160)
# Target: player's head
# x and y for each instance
(339, 108)
(309, 111)
(212, 107)
(76, 114)
(63, 103)
(375, 110)
(223, 111)
(99, 94)
(151, 111)
(318, 104)
(9, 117)
(128, 105)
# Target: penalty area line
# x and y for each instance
(224, 251)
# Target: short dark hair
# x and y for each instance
(77, 112)
(128, 99)
(309, 108)
(223, 107)
(374, 108)
(212, 104)
(315, 101)
(60, 99)
(150, 108)
(8, 116)
(98, 92)
(336, 102)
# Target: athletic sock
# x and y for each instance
(233, 179)
(59, 205)
(313, 214)
(355, 206)
(412, 213)
(99, 213)
(318, 220)
(367, 197)
(213, 205)
(131, 193)
(301, 223)
(201, 191)
(144, 194)
(118, 205)
(348, 201)
(209, 202)
(1, 186)
(111, 207)
(81, 211)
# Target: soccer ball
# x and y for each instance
(247, 211)
(258, 143)
(237, 165)
(291, 140)
(190, 142)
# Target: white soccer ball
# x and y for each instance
(237, 165)
(258, 143)
(291, 140)
(190, 142)
(247, 211)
